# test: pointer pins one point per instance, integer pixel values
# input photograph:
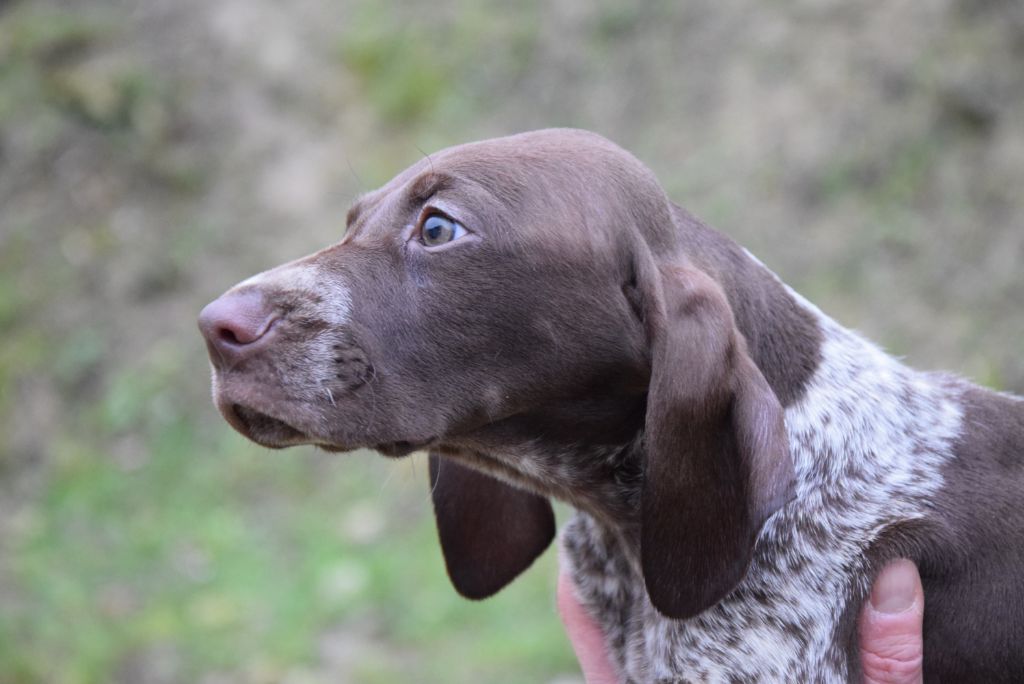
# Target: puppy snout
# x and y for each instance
(236, 325)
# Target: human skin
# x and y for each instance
(890, 629)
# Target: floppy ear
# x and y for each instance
(490, 531)
(717, 460)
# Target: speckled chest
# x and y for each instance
(868, 440)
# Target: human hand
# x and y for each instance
(891, 647)
(890, 629)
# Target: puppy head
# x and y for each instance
(479, 283)
(530, 290)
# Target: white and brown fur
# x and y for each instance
(869, 439)
(742, 465)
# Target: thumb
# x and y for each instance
(891, 647)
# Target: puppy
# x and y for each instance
(536, 313)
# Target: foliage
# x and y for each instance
(151, 158)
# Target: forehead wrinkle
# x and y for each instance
(504, 180)
(362, 205)
(355, 209)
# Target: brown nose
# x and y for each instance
(235, 324)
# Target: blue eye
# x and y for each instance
(437, 230)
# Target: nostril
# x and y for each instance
(230, 336)
(236, 321)
(242, 330)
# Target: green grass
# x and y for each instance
(145, 536)
(441, 68)
(159, 538)
(234, 559)
(138, 534)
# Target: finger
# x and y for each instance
(586, 637)
(891, 646)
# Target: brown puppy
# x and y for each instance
(535, 312)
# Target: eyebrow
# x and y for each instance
(427, 185)
(422, 188)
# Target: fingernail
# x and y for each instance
(895, 588)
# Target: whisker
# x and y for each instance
(429, 160)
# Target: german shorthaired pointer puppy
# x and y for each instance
(536, 313)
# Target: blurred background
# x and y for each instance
(154, 152)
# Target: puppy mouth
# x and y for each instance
(263, 429)
(401, 448)
(281, 423)
(268, 431)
